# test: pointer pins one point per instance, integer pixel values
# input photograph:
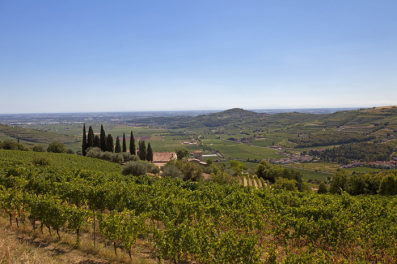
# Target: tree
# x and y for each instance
(173, 172)
(56, 147)
(97, 142)
(132, 144)
(388, 185)
(124, 144)
(39, 148)
(262, 169)
(118, 147)
(84, 144)
(338, 182)
(90, 139)
(149, 154)
(103, 139)
(109, 143)
(135, 168)
(142, 150)
(322, 188)
(182, 153)
(286, 184)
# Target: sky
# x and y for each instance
(126, 55)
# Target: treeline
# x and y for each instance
(314, 140)
(288, 178)
(105, 143)
(54, 147)
(368, 184)
(360, 151)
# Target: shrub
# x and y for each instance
(94, 153)
(117, 158)
(322, 188)
(11, 145)
(128, 157)
(286, 184)
(223, 178)
(70, 151)
(42, 161)
(135, 168)
(172, 171)
(155, 170)
(388, 185)
(106, 155)
(56, 147)
(39, 148)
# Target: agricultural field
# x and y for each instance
(182, 222)
(239, 150)
(333, 167)
(59, 161)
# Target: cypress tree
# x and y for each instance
(109, 143)
(118, 147)
(84, 145)
(149, 154)
(142, 150)
(124, 144)
(90, 140)
(132, 144)
(103, 139)
(97, 141)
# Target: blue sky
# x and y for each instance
(88, 56)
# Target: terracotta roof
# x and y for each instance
(163, 156)
(197, 151)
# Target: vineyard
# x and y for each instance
(200, 222)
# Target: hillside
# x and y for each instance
(59, 161)
(34, 136)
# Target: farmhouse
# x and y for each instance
(161, 158)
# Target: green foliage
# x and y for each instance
(90, 138)
(102, 139)
(84, 143)
(285, 184)
(58, 161)
(149, 154)
(97, 142)
(132, 144)
(172, 171)
(238, 167)
(322, 188)
(314, 140)
(11, 145)
(142, 150)
(124, 144)
(117, 149)
(182, 153)
(388, 185)
(221, 177)
(135, 168)
(338, 182)
(262, 168)
(56, 147)
(39, 148)
(109, 143)
(44, 161)
(360, 151)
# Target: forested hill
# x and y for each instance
(366, 118)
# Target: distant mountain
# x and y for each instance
(234, 112)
